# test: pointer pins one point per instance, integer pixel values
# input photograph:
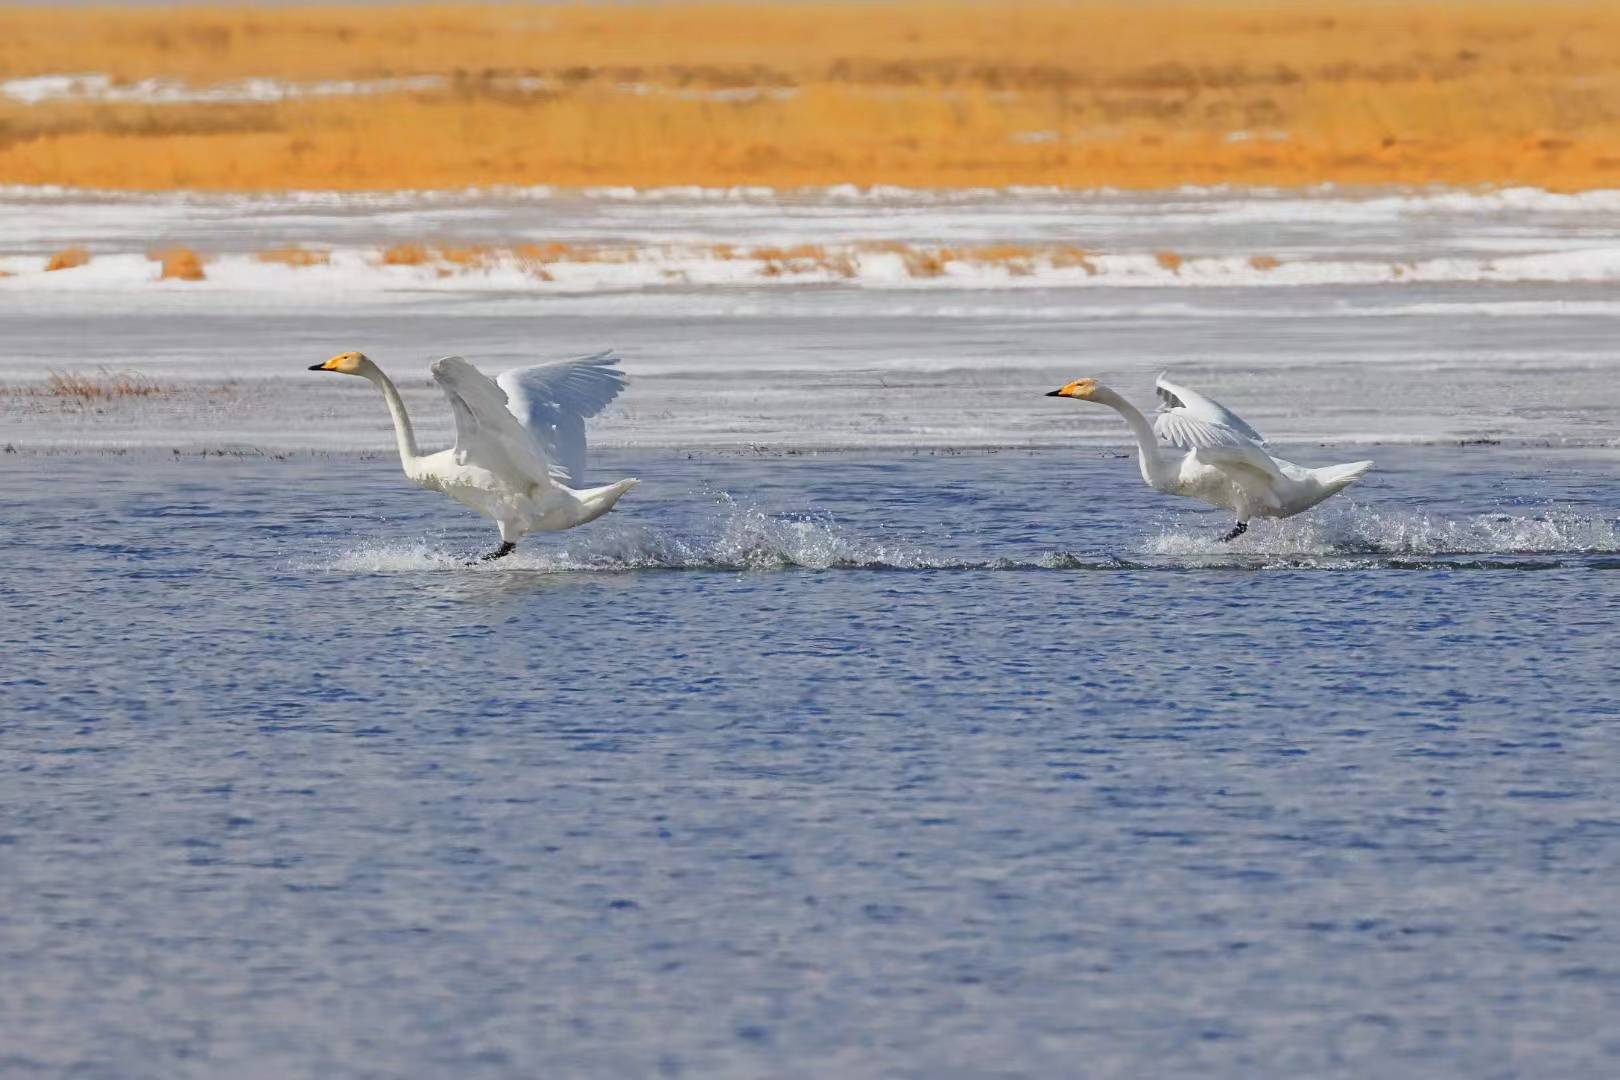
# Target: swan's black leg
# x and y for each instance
(1237, 530)
(506, 548)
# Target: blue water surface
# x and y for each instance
(911, 765)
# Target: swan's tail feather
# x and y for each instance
(599, 500)
(1339, 477)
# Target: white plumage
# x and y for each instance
(1223, 461)
(553, 402)
(519, 456)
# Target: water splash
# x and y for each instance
(742, 538)
(1350, 529)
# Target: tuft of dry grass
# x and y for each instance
(101, 386)
(178, 264)
(1067, 255)
(467, 256)
(1132, 93)
(67, 259)
(405, 255)
(796, 259)
(295, 257)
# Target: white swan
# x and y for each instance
(518, 438)
(1224, 464)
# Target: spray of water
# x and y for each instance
(1350, 529)
(739, 538)
(736, 538)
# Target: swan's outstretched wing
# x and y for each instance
(1178, 401)
(487, 433)
(553, 401)
(1176, 428)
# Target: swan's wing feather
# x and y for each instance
(1174, 398)
(486, 432)
(1247, 458)
(553, 402)
(1176, 428)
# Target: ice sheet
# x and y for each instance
(905, 318)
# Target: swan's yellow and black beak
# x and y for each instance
(344, 363)
(1080, 388)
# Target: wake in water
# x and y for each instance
(746, 539)
(1348, 529)
(743, 539)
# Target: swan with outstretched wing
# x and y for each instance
(519, 457)
(1199, 448)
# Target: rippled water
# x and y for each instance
(892, 764)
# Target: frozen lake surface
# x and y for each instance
(904, 319)
(891, 727)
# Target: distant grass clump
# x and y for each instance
(1132, 94)
(797, 259)
(405, 255)
(67, 259)
(103, 385)
(178, 264)
(294, 257)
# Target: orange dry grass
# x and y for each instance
(798, 259)
(1099, 92)
(295, 256)
(180, 264)
(100, 387)
(405, 255)
(67, 259)
(918, 260)
(931, 94)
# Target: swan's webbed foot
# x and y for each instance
(506, 548)
(1237, 530)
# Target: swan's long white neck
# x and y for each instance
(403, 435)
(1156, 468)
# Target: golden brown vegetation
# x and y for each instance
(295, 256)
(405, 255)
(179, 264)
(918, 260)
(67, 259)
(101, 386)
(1026, 91)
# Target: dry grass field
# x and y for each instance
(1097, 92)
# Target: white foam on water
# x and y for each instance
(1349, 529)
(743, 539)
